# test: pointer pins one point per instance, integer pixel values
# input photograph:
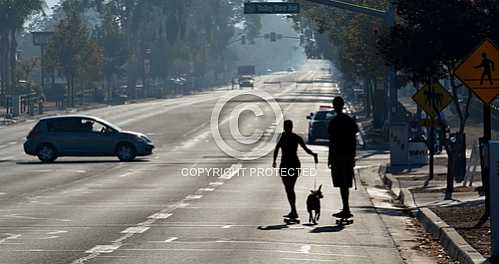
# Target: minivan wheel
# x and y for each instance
(126, 152)
(46, 153)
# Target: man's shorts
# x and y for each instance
(342, 173)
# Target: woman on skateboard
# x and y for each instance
(290, 164)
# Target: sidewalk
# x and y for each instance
(452, 220)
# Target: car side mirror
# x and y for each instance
(309, 117)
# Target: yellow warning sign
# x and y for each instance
(478, 72)
(433, 99)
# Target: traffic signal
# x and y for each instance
(273, 37)
(243, 40)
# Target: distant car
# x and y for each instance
(79, 135)
(246, 81)
(318, 125)
(291, 69)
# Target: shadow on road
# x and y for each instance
(78, 162)
(327, 229)
(385, 211)
(273, 227)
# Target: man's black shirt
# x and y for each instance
(342, 136)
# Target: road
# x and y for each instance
(99, 210)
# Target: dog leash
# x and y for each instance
(355, 179)
(316, 161)
(315, 177)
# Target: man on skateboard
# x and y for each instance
(342, 147)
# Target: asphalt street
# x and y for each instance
(162, 209)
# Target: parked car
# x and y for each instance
(318, 125)
(79, 135)
(246, 81)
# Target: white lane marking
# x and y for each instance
(216, 183)
(206, 190)
(57, 232)
(226, 226)
(36, 218)
(103, 249)
(37, 238)
(171, 239)
(193, 197)
(159, 216)
(81, 171)
(126, 174)
(135, 230)
(3, 193)
(9, 236)
(233, 170)
(317, 260)
(182, 205)
(305, 249)
(12, 143)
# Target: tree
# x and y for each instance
(347, 39)
(428, 43)
(13, 15)
(74, 54)
(113, 43)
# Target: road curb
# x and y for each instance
(402, 194)
(449, 238)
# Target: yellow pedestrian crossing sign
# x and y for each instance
(478, 72)
(433, 99)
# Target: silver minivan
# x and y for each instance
(79, 135)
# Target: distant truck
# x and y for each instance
(247, 70)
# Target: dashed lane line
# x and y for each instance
(160, 216)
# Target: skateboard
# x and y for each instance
(344, 221)
(291, 221)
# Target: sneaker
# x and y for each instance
(291, 216)
(343, 215)
(337, 215)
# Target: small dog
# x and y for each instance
(314, 204)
